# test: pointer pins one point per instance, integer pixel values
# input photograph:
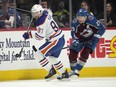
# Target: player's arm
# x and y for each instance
(73, 29)
(39, 34)
(75, 41)
(100, 27)
(73, 33)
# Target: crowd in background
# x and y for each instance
(59, 9)
(9, 16)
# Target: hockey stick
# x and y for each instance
(86, 42)
(20, 9)
(66, 47)
(19, 54)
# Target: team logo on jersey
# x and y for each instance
(90, 17)
(39, 30)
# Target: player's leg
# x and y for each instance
(73, 58)
(82, 59)
(54, 58)
(44, 62)
(88, 49)
(51, 72)
(58, 65)
(73, 61)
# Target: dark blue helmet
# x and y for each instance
(82, 12)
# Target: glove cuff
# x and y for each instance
(30, 35)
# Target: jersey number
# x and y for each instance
(98, 23)
(54, 25)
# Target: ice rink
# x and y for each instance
(79, 82)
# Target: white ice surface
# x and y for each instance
(79, 82)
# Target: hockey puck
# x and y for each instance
(17, 55)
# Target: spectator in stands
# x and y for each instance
(62, 15)
(7, 15)
(12, 11)
(111, 17)
(5, 20)
(76, 4)
(44, 4)
(84, 4)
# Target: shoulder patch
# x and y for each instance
(90, 17)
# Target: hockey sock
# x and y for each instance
(57, 64)
(44, 62)
(80, 64)
(72, 65)
(83, 58)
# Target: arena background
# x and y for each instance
(102, 63)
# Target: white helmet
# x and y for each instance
(37, 8)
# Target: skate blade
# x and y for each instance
(49, 79)
(52, 78)
(64, 79)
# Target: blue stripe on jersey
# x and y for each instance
(41, 20)
(38, 35)
(58, 33)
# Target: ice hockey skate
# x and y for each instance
(51, 73)
(73, 75)
(63, 76)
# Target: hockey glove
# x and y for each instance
(27, 35)
(75, 43)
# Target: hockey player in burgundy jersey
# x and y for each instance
(86, 32)
(48, 29)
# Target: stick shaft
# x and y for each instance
(25, 39)
(66, 47)
(20, 9)
(86, 42)
(29, 24)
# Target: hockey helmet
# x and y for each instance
(37, 9)
(81, 15)
(82, 12)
